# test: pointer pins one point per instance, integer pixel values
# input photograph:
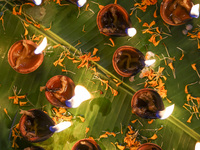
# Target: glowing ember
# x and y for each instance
(81, 95)
(81, 3)
(197, 146)
(131, 32)
(150, 62)
(60, 127)
(166, 113)
(195, 11)
(37, 2)
(41, 47)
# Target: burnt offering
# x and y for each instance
(113, 20)
(128, 61)
(59, 89)
(149, 146)
(34, 125)
(86, 144)
(146, 103)
(22, 58)
(176, 12)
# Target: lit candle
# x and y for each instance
(149, 58)
(22, 58)
(128, 61)
(176, 12)
(197, 146)
(81, 95)
(113, 20)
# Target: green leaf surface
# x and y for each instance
(104, 112)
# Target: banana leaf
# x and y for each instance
(76, 31)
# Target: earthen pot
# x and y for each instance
(59, 89)
(149, 146)
(113, 20)
(86, 144)
(176, 12)
(146, 103)
(128, 61)
(34, 126)
(21, 57)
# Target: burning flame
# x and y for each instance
(60, 127)
(37, 2)
(41, 47)
(81, 95)
(131, 32)
(166, 113)
(81, 3)
(197, 146)
(195, 11)
(150, 62)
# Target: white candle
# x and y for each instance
(37, 2)
(197, 146)
(131, 32)
(81, 3)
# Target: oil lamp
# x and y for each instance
(59, 89)
(113, 20)
(22, 57)
(149, 146)
(128, 61)
(147, 103)
(86, 144)
(178, 12)
(36, 126)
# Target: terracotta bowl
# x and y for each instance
(174, 13)
(22, 59)
(86, 144)
(113, 20)
(146, 103)
(149, 146)
(35, 127)
(53, 91)
(128, 61)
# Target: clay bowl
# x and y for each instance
(149, 146)
(146, 103)
(35, 128)
(53, 91)
(86, 144)
(175, 14)
(24, 60)
(113, 20)
(128, 61)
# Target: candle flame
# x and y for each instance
(166, 113)
(60, 127)
(150, 62)
(195, 11)
(41, 47)
(81, 95)
(197, 146)
(81, 3)
(131, 32)
(37, 2)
